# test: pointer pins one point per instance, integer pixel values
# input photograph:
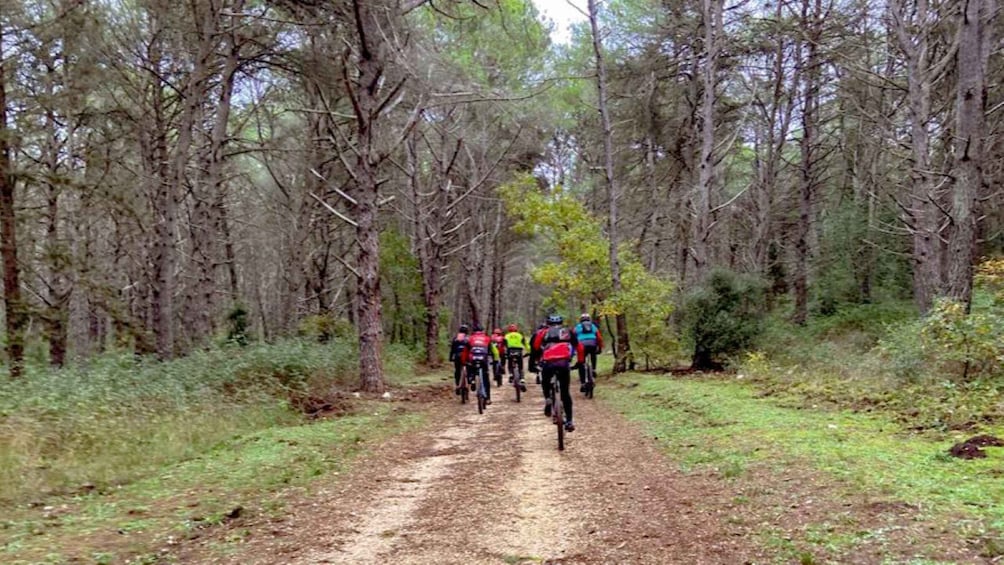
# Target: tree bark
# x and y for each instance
(975, 33)
(912, 28)
(701, 223)
(16, 315)
(811, 24)
(622, 352)
(372, 20)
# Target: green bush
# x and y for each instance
(948, 342)
(723, 316)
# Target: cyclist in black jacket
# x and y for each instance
(457, 348)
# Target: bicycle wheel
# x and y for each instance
(463, 393)
(558, 413)
(517, 389)
(481, 376)
(590, 380)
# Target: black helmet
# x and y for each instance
(464, 328)
(479, 327)
(554, 319)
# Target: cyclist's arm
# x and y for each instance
(599, 340)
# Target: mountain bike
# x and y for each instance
(557, 410)
(480, 375)
(463, 385)
(515, 362)
(590, 383)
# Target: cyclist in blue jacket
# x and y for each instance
(588, 334)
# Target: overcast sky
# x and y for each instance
(562, 14)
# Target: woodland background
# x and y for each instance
(179, 174)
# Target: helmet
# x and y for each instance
(512, 328)
(554, 319)
(479, 328)
(464, 328)
(585, 318)
(541, 326)
(497, 331)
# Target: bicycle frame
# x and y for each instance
(557, 410)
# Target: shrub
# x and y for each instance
(723, 316)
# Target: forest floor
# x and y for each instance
(493, 488)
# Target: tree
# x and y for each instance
(622, 352)
(976, 25)
(15, 307)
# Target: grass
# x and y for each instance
(107, 457)
(241, 476)
(721, 425)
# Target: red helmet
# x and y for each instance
(497, 331)
(513, 328)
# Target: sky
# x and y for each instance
(562, 14)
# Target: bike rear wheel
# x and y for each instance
(590, 380)
(558, 413)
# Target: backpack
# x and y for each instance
(587, 327)
(479, 348)
(557, 345)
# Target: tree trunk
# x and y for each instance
(700, 228)
(975, 34)
(912, 28)
(372, 20)
(622, 352)
(808, 174)
(16, 315)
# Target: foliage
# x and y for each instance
(324, 327)
(876, 357)
(401, 286)
(237, 325)
(579, 273)
(116, 417)
(723, 316)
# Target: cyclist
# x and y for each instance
(457, 350)
(533, 362)
(498, 365)
(558, 345)
(480, 351)
(591, 339)
(515, 343)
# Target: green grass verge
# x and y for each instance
(143, 517)
(723, 426)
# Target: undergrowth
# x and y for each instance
(883, 358)
(116, 418)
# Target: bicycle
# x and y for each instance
(557, 411)
(482, 388)
(590, 383)
(515, 362)
(463, 386)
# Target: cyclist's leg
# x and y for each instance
(545, 386)
(592, 356)
(457, 369)
(564, 378)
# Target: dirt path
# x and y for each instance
(494, 489)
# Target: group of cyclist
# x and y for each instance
(553, 350)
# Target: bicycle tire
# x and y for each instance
(481, 404)
(517, 391)
(561, 434)
(463, 394)
(590, 380)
